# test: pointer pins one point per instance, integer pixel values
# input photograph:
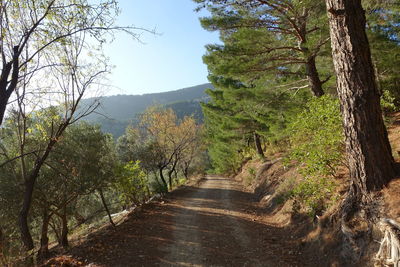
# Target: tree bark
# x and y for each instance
(163, 179)
(103, 200)
(29, 185)
(44, 240)
(3, 104)
(170, 172)
(53, 226)
(257, 142)
(2, 245)
(185, 170)
(369, 153)
(311, 68)
(26, 236)
(64, 231)
(7, 87)
(313, 77)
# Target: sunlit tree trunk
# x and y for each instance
(8, 81)
(369, 153)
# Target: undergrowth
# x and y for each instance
(251, 176)
(316, 143)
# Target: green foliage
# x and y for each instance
(157, 188)
(260, 72)
(251, 176)
(164, 145)
(388, 102)
(383, 34)
(224, 144)
(316, 137)
(131, 183)
(314, 193)
(317, 144)
(81, 162)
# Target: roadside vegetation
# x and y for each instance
(287, 90)
(58, 173)
(89, 176)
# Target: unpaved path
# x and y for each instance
(211, 227)
(213, 224)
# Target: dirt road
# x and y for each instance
(213, 224)
(211, 227)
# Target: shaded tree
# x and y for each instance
(81, 164)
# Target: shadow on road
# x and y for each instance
(206, 226)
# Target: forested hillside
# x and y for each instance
(115, 113)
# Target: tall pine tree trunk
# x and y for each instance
(369, 153)
(311, 69)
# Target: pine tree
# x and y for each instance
(370, 158)
(264, 37)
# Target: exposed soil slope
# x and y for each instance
(213, 224)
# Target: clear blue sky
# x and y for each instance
(169, 61)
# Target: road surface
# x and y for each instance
(213, 224)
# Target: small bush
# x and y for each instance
(316, 141)
(316, 137)
(251, 176)
(158, 188)
(181, 181)
(388, 102)
(131, 184)
(314, 193)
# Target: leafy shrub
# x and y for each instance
(251, 176)
(316, 141)
(158, 188)
(131, 183)
(181, 181)
(388, 102)
(313, 193)
(316, 137)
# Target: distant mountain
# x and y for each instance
(115, 113)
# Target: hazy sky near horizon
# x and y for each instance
(164, 62)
